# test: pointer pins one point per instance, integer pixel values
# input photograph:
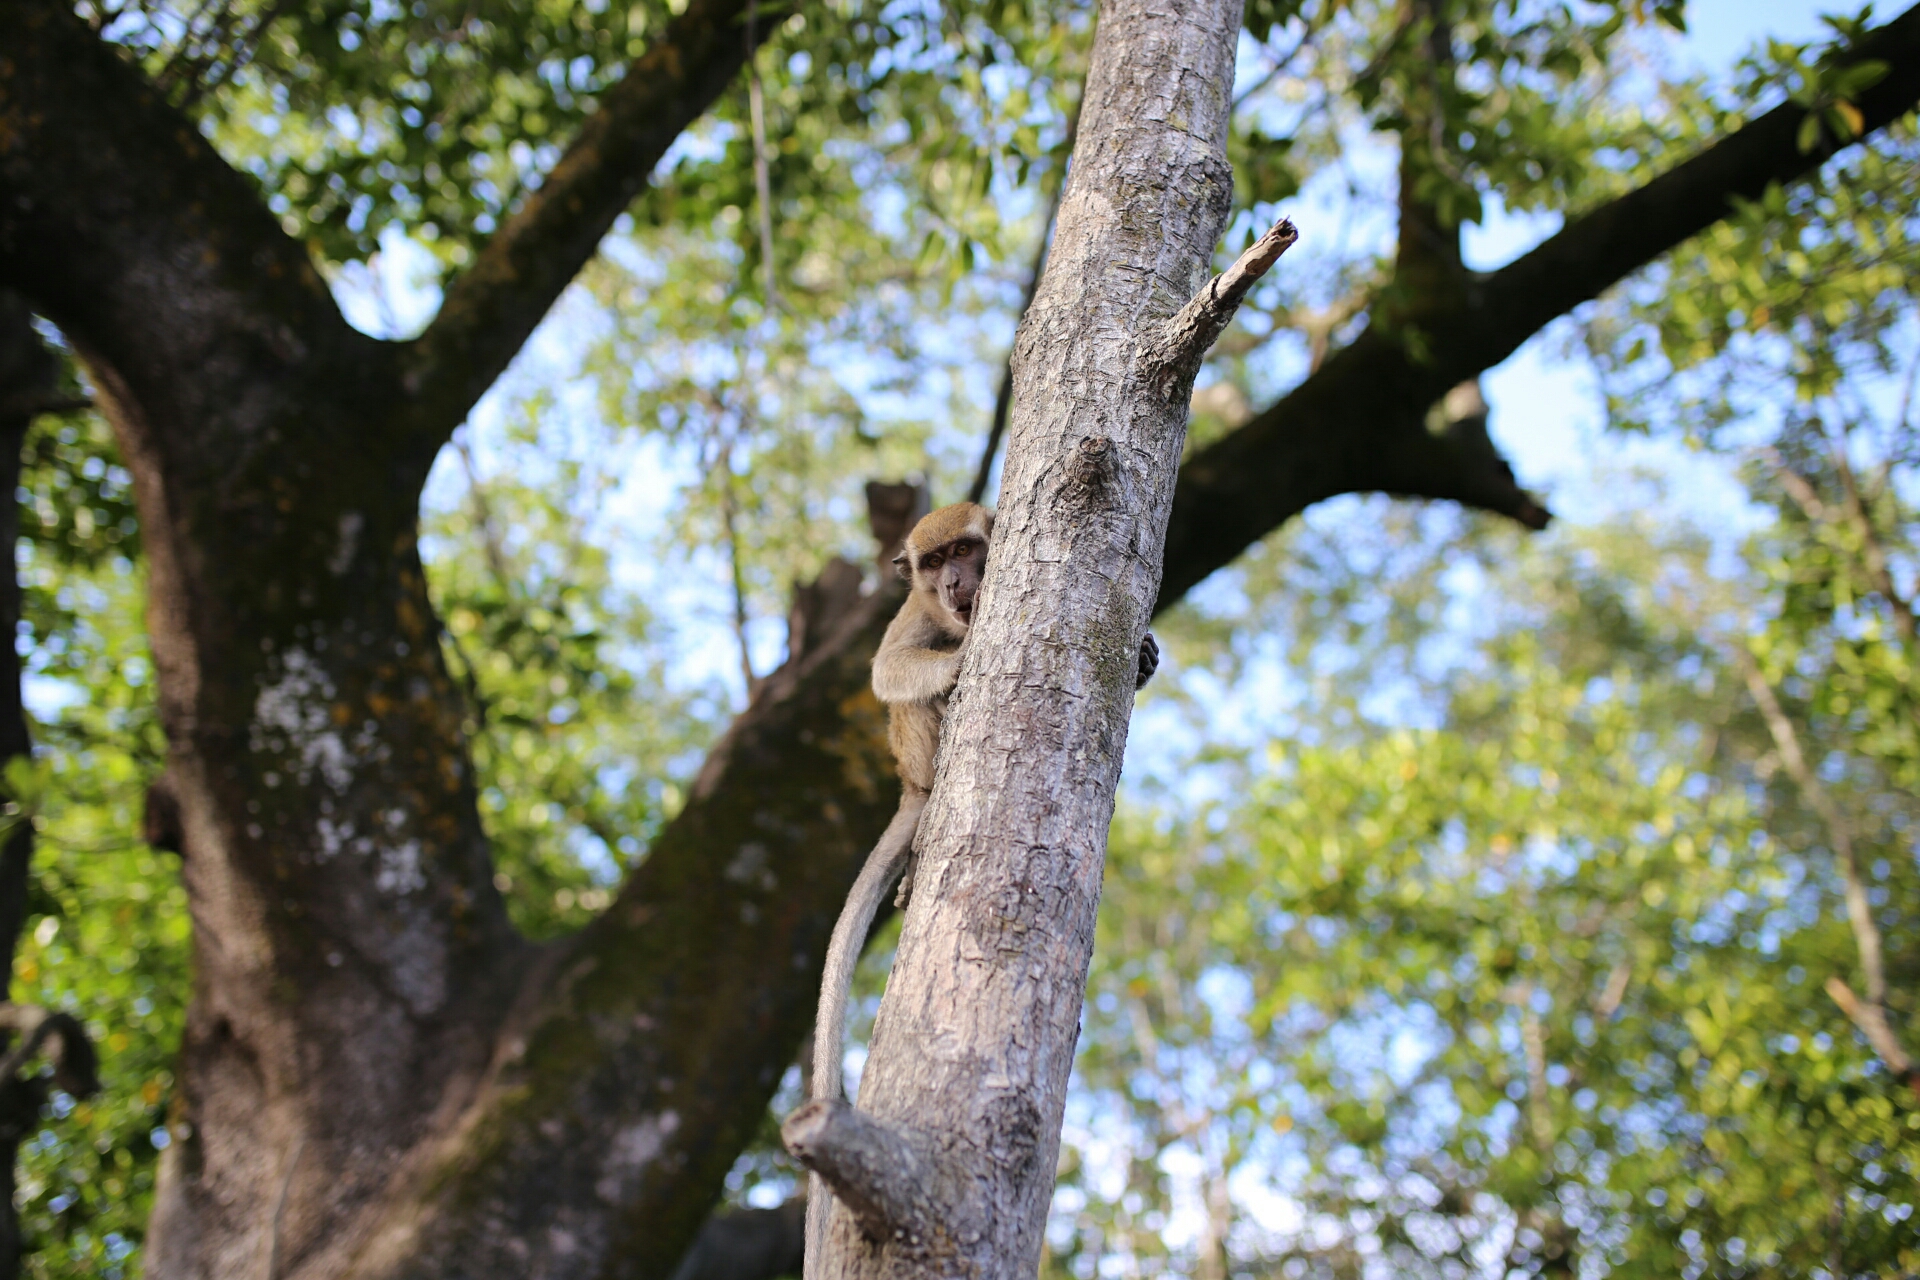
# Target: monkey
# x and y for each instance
(943, 560)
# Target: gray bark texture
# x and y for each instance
(966, 1080)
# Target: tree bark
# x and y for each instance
(949, 1162)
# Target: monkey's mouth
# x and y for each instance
(963, 610)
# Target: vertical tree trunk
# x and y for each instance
(949, 1166)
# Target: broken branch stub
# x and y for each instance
(891, 1179)
(1174, 358)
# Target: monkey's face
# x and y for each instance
(952, 571)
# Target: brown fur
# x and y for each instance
(919, 658)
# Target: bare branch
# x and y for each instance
(729, 519)
(1871, 1019)
(1868, 1015)
(1175, 356)
(483, 516)
(1798, 488)
(490, 310)
(1533, 1036)
(1003, 399)
(1616, 990)
(762, 174)
(1872, 553)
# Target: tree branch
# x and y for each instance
(1174, 358)
(1003, 399)
(61, 1037)
(1868, 1015)
(121, 224)
(491, 309)
(890, 1178)
(1358, 424)
(1872, 551)
(1871, 1019)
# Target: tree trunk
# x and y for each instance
(948, 1167)
(378, 1076)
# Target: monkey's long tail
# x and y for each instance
(883, 867)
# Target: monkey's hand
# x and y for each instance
(914, 676)
(1149, 660)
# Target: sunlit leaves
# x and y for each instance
(106, 935)
(579, 745)
(1542, 983)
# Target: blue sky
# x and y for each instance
(1545, 412)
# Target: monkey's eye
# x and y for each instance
(964, 550)
(932, 562)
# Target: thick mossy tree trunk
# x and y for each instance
(379, 1077)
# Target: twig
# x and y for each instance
(727, 515)
(469, 678)
(244, 46)
(489, 536)
(1174, 357)
(1273, 72)
(1797, 488)
(1906, 396)
(1868, 1015)
(184, 56)
(1872, 552)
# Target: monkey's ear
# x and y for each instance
(902, 567)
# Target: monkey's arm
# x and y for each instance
(914, 675)
(909, 668)
(1149, 660)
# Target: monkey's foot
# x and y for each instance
(905, 894)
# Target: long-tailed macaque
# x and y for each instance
(914, 671)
